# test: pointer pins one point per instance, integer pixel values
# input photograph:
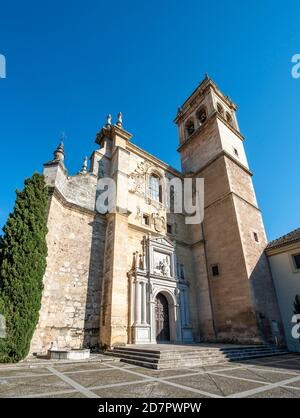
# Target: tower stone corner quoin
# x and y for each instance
(142, 275)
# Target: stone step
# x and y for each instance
(194, 363)
(167, 355)
(191, 354)
(218, 352)
(244, 347)
(249, 356)
(193, 357)
(173, 360)
(188, 357)
(200, 350)
(182, 364)
(117, 351)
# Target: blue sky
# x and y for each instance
(69, 63)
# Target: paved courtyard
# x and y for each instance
(105, 377)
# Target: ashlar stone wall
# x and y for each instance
(70, 313)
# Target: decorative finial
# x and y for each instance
(84, 167)
(59, 153)
(108, 121)
(206, 77)
(179, 110)
(120, 120)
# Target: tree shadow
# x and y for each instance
(94, 287)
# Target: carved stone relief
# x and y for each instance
(136, 180)
(159, 222)
(162, 264)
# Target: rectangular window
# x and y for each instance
(296, 260)
(255, 236)
(169, 228)
(182, 271)
(146, 220)
(215, 270)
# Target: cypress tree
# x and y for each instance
(23, 252)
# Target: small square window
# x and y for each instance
(146, 220)
(182, 271)
(296, 260)
(169, 228)
(235, 152)
(215, 270)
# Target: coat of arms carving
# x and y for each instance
(159, 222)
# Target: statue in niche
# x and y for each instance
(150, 288)
(138, 215)
(135, 262)
(141, 262)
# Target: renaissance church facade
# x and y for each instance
(143, 275)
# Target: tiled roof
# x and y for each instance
(285, 239)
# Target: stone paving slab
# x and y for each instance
(103, 378)
(288, 367)
(258, 375)
(222, 386)
(23, 372)
(277, 393)
(32, 385)
(264, 378)
(162, 373)
(275, 369)
(296, 384)
(147, 390)
(76, 367)
(212, 367)
(66, 395)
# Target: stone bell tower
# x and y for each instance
(242, 299)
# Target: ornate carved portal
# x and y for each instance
(159, 302)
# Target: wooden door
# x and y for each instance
(162, 318)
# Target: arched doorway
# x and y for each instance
(162, 318)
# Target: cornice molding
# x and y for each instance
(283, 248)
(228, 194)
(151, 158)
(222, 153)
